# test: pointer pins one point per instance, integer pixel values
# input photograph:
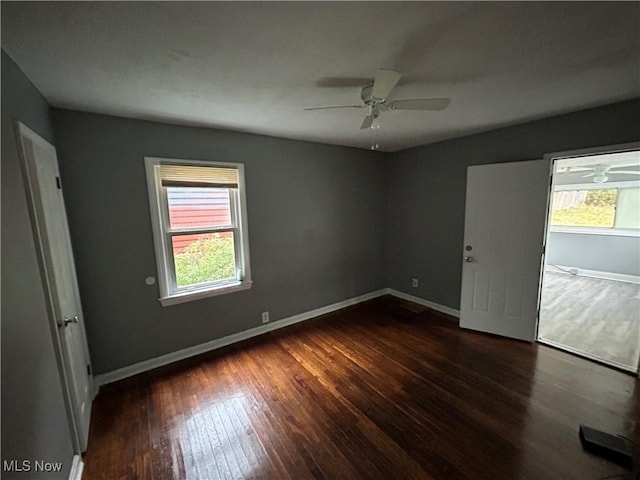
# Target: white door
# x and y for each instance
(55, 245)
(504, 233)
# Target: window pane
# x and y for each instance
(628, 211)
(198, 207)
(203, 258)
(584, 208)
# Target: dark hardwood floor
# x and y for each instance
(382, 390)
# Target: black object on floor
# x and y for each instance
(606, 445)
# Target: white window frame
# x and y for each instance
(583, 230)
(170, 293)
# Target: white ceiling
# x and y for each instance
(254, 67)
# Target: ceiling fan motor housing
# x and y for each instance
(372, 102)
(367, 96)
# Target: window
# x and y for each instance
(604, 208)
(628, 209)
(199, 220)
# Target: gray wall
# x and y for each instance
(427, 190)
(316, 231)
(34, 418)
(603, 253)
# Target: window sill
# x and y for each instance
(596, 231)
(199, 294)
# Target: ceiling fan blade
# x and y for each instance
(342, 82)
(384, 82)
(420, 104)
(337, 106)
(625, 172)
(367, 122)
(574, 174)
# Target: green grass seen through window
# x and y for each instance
(205, 260)
(585, 216)
(596, 209)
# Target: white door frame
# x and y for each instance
(38, 234)
(552, 158)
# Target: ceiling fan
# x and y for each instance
(600, 173)
(375, 94)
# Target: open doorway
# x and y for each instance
(590, 296)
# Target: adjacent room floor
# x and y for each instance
(375, 391)
(591, 316)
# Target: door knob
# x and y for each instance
(468, 259)
(66, 321)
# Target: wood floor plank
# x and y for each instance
(375, 391)
(279, 423)
(304, 413)
(271, 440)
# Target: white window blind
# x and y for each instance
(196, 176)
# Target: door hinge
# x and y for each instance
(89, 370)
(58, 183)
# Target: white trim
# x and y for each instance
(585, 152)
(618, 277)
(162, 360)
(613, 232)
(155, 205)
(563, 187)
(77, 466)
(426, 303)
(198, 294)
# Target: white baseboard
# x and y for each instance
(77, 466)
(162, 360)
(426, 303)
(618, 277)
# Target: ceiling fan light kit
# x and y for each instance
(600, 178)
(374, 95)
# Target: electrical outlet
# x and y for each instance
(265, 317)
(414, 282)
